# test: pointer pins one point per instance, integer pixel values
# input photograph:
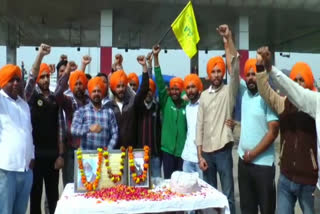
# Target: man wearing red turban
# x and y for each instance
(298, 135)
(70, 103)
(17, 149)
(149, 125)
(174, 126)
(301, 73)
(259, 130)
(193, 87)
(44, 117)
(95, 123)
(214, 137)
(133, 81)
(19, 130)
(125, 105)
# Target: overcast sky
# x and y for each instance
(174, 62)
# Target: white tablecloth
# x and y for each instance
(208, 197)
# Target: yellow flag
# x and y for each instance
(186, 31)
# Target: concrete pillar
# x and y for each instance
(106, 21)
(11, 44)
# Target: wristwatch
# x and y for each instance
(61, 155)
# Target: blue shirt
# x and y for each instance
(255, 114)
(86, 116)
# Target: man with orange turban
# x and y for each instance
(259, 130)
(44, 119)
(133, 81)
(214, 137)
(174, 126)
(193, 87)
(149, 127)
(70, 103)
(95, 123)
(298, 139)
(16, 144)
(124, 105)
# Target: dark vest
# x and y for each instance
(44, 118)
(298, 153)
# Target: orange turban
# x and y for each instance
(152, 85)
(75, 76)
(43, 67)
(94, 82)
(193, 78)
(250, 64)
(216, 61)
(133, 77)
(178, 82)
(304, 70)
(7, 72)
(116, 78)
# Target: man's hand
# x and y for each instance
(95, 128)
(86, 59)
(59, 163)
(142, 60)
(63, 57)
(118, 59)
(225, 32)
(44, 49)
(31, 164)
(264, 58)
(230, 123)
(149, 59)
(155, 50)
(248, 156)
(52, 68)
(203, 164)
(71, 66)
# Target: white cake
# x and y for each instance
(184, 182)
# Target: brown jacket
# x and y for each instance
(298, 139)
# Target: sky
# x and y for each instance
(174, 62)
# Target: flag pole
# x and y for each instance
(164, 35)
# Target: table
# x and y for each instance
(208, 197)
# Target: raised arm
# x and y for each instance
(163, 95)
(232, 57)
(31, 83)
(144, 88)
(304, 99)
(85, 61)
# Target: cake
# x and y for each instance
(184, 182)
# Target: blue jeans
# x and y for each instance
(289, 192)
(15, 188)
(155, 167)
(189, 166)
(221, 162)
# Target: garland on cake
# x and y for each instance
(143, 176)
(90, 185)
(115, 178)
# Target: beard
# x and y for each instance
(193, 96)
(252, 86)
(44, 86)
(96, 100)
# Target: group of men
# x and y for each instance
(41, 129)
